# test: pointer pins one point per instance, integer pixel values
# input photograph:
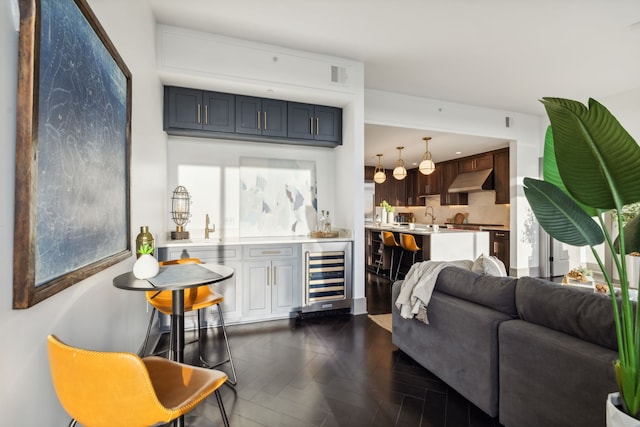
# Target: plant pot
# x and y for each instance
(615, 416)
(391, 217)
(146, 267)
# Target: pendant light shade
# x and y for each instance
(427, 167)
(399, 172)
(379, 176)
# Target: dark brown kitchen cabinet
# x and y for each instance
(193, 109)
(392, 190)
(448, 172)
(258, 116)
(412, 187)
(501, 176)
(316, 122)
(474, 163)
(430, 184)
(499, 246)
(369, 171)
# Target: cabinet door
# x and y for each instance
(274, 118)
(257, 288)
(501, 176)
(433, 183)
(219, 112)
(448, 172)
(300, 120)
(470, 164)
(307, 121)
(182, 108)
(285, 287)
(328, 124)
(412, 187)
(248, 115)
(257, 116)
(500, 246)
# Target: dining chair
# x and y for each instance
(120, 389)
(195, 299)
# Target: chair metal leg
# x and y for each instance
(143, 351)
(229, 360)
(225, 420)
(72, 423)
(399, 264)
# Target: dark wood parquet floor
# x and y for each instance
(330, 371)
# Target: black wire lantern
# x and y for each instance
(180, 212)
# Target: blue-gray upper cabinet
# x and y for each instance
(315, 122)
(259, 116)
(195, 109)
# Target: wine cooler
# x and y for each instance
(327, 276)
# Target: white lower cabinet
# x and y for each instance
(271, 285)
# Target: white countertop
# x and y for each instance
(419, 229)
(249, 241)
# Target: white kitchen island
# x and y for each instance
(442, 245)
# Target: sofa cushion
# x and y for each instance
(548, 378)
(585, 315)
(497, 293)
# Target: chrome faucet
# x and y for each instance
(208, 230)
(426, 213)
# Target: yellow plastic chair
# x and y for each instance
(408, 243)
(194, 299)
(389, 240)
(111, 389)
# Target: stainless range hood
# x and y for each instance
(468, 182)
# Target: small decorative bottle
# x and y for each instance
(327, 224)
(144, 237)
(322, 222)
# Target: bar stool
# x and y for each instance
(389, 241)
(195, 299)
(408, 243)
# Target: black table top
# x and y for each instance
(174, 277)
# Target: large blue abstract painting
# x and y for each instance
(78, 194)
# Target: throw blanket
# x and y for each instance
(416, 290)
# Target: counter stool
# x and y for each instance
(408, 243)
(389, 241)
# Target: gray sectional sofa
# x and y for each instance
(528, 351)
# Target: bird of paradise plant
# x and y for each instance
(592, 166)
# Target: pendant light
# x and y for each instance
(399, 172)
(427, 167)
(379, 176)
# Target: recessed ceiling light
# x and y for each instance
(458, 152)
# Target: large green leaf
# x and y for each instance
(597, 159)
(560, 216)
(550, 169)
(631, 235)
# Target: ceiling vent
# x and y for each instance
(338, 74)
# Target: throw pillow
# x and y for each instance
(489, 265)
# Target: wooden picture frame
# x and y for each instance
(73, 150)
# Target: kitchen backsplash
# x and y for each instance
(481, 209)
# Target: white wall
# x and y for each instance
(92, 313)
(524, 134)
